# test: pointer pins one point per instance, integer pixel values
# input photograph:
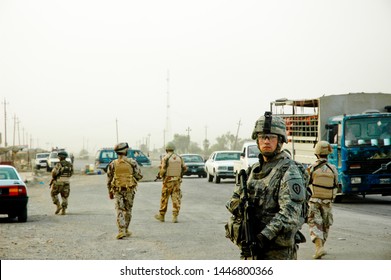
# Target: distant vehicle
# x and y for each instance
(13, 194)
(41, 160)
(248, 157)
(139, 156)
(220, 165)
(195, 165)
(103, 157)
(53, 160)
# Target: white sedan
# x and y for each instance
(220, 165)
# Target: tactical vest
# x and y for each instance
(262, 188)
(322, 181)
(174, 167)
(66, 169)
(123, 174)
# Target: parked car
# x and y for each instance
(13, 194)
(41, 160)
(195, 165)
(103, 157)
(139, 156)
(53, 160)
(220, 165)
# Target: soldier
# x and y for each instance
(323, 184)
(122, 176)
(171, 169)
(277, 189)
(60, 183)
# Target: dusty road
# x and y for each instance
(362, 229)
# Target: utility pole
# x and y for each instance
(5, 123)
(168, 121)
(237, 133)
(116, 128)
(13, 140)
(188, 138)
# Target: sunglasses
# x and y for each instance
(270, 137)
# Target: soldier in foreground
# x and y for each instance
(122, 176)
(60, 183)
(323, 184)
(171, 169)
(277, 193)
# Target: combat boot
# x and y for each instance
(128, 233)
(319, 250)
(120, 235)
(63, 211)
(159, 217)
(174, 218)
(58, 208)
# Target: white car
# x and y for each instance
(53, 160)
(41, 160)
(220, 165)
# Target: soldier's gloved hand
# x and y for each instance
(111, 195)
(262, 240)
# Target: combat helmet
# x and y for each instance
(170, 146)
(121, 148)
(268, 124)
(323, 148)
(62, 154)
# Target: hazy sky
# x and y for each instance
(70, 69)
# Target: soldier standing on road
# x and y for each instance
(122, 176)
(171, 169)
(277, 187)
(60, 183)
(323, 184)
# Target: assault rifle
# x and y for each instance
(249, 243)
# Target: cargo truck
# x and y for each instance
(358, 127)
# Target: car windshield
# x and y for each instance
(228, 156)
(42, 155)
(8, 174)
(192, 158)
(108, 154)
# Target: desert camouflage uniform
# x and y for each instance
(123, 193)
(60, 185)
(171, 184)
(281, 191)
(320, 216)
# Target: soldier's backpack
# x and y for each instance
(322, 181)
(66, 169)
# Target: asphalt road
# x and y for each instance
(361, 230)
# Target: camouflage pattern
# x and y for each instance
(123, 195)
(171, 188)
(60, 184)
(278, 190)
(171, 185)
(320, 216)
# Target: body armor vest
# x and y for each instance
(66, 169)
(123, 173)
(322, 181)
(174, 167)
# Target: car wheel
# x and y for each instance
(217, 179)
(22, 218)
(204, 175)
(210, 178)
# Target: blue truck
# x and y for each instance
(358, 127)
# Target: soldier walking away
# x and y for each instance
(171, 169)
(122, 176)
(323, 184)
(277, 192)
(60, 183)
